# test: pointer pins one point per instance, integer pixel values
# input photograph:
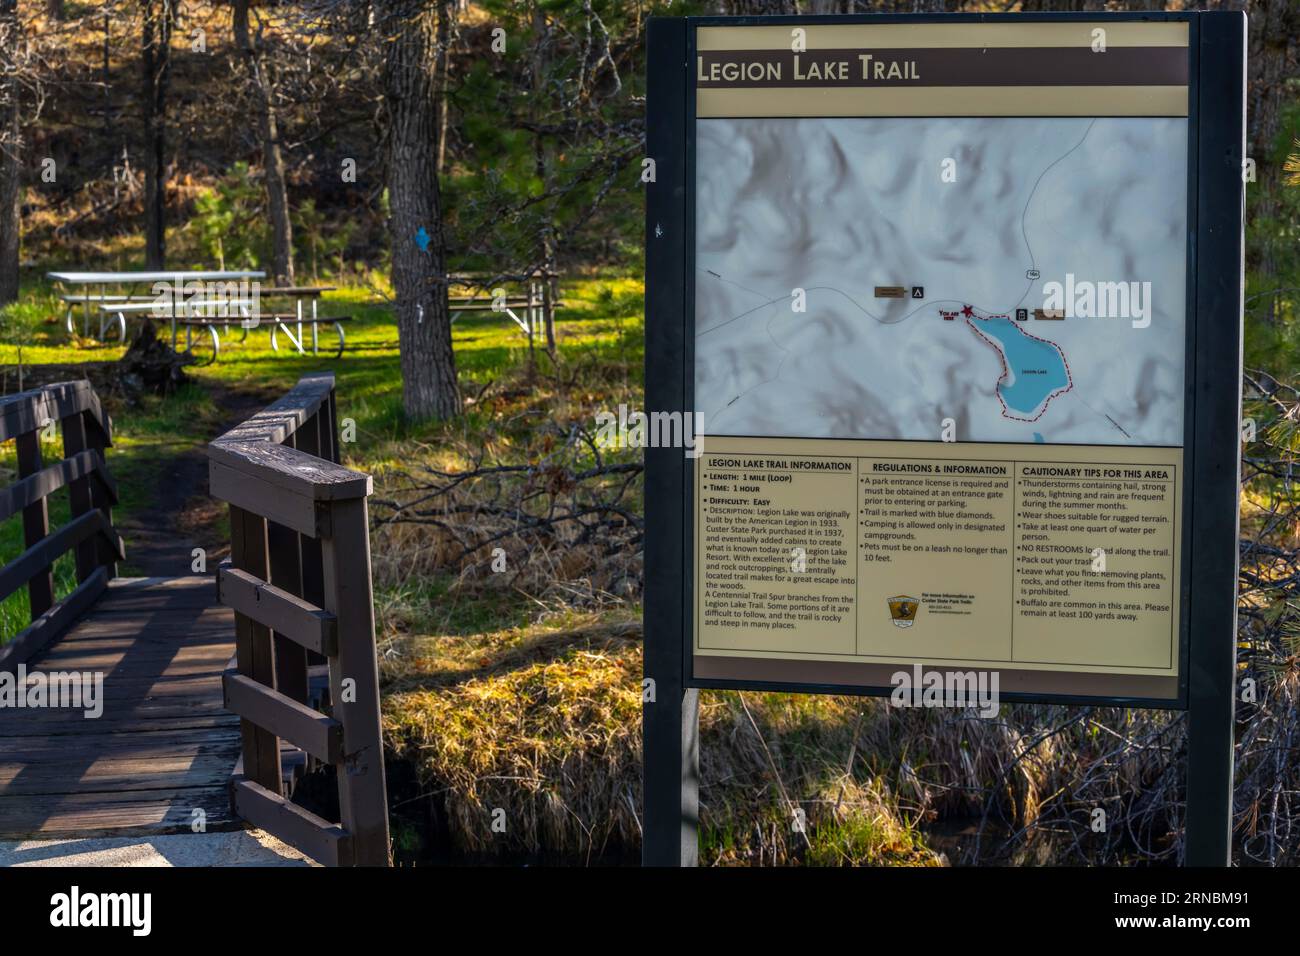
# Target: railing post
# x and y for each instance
(79, 491)
(36, 522)
(96, 441)
(329, 430)
(315, 546)
(354, 681)
(254, 655)
(548, 307)
(286, 574)
(313, 438)
(285, 567)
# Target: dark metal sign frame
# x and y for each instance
(1212, 422)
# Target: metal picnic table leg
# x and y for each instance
(216, 343)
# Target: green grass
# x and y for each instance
(600, 328)
(15, 610)
(601, 318)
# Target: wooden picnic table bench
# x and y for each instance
(300, 291)
(278, 322)
(213, 314)
(476, 303)
(176, 278)
(187, 314)
(85, 300)
(118, 306)
(301, 294)
(533, 303)
(539, 299)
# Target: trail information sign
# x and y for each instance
(956, 304)
(940, 335)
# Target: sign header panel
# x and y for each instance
(1010, 69)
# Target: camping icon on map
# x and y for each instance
(902, 609)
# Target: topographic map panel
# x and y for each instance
(855, 211)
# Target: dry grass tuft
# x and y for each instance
(554, 742)
(544, 723)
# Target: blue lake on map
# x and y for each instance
(1037, 367)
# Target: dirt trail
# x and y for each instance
(184, 516)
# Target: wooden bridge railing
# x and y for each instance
(298, 580)
(87, 431)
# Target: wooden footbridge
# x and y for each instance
(218, 694)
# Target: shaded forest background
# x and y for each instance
(380, 145)
(317, 138)
(327, 138)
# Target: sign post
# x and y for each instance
(1219, 284)
(955, 303)
(671, 717)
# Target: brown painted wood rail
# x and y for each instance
(299, 582)
(74, 409)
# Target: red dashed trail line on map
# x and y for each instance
(968, 313)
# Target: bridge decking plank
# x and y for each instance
(164, 745)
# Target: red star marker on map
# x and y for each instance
(967, 311)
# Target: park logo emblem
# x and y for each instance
(902, 610)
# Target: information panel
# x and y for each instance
(940, 329)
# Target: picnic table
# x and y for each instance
(212, 313)
(178, 278)
(533, 301)
(302, 296)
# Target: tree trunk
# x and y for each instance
(106, 78)
(261, 86)
(541, 31)
(156, 48)
(10, 205)
(446, 11)
(429, 388)
(10, 153)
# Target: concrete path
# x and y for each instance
(231, 848)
